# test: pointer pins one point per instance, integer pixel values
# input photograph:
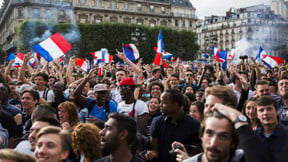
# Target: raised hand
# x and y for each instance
(121, 55)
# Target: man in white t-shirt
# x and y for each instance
(41, 80)
(131, 106)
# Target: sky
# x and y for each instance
(219, 7)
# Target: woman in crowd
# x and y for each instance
(68, 115)
(250, 111)
(196, 110)
(86, 142)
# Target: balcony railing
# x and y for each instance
(54, 2)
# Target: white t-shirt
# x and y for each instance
(140, 108)
(50, 95)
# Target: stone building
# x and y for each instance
(177, 14)
(256, 24)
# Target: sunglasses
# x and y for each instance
(125, 87)
(189, 74)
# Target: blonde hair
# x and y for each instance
(9, 154)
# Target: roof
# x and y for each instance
(182, 3)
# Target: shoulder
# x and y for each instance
(104, 159)
(136, 159)
(190, 121)
(194, 158)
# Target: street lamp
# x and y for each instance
(138, 36)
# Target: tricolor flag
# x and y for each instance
(18, 59)
(157, 60)
(220, 56)
(166, 55)
(131, 52)
(231, 54)
(53, 47)
(82, 64)
(102, 56)
(261, 54)
(160, 43)
(270, 61)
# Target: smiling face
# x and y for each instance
(35, 128)
(250, 110)
(154, 105)
(217, 139)
(283, 87)
(28, 102)
(49, 149)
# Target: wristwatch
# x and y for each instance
(240, 118)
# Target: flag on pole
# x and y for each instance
(53, 47)
(102, 56)
(160, 43)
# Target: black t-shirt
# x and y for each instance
(167, 130)
(107, 159)
(7, 121)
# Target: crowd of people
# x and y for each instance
(143, 112)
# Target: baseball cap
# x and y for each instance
(100, 87)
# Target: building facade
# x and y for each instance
(280, 7)
(177, 14)
(257, 25)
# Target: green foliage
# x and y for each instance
(113, 36)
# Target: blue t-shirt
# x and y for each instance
(100, 112)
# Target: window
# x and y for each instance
(183, 23)
(113, 4)
(36, 12)
(163, 10)
(139, 21)
(190, 24)
(113, 19)
(98, 3)
(139, 7)
(151, 9)
(82, 2)
(98, 18)
(49, 14)
(176, 22)
(20, 12)
(152, 23)
(127, 20)
(126, 6)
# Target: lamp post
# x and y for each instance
(138, 36)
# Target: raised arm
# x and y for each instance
(80, 99)
(21, 76)
(7, 76)
(122, 56)
(69, 70)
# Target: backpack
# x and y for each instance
(45, 93)
(93, 102)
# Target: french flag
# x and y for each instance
(102, 56)
(18, 59)
(131, 52)
(220, 56)
(82, 64)
(160, 43)
(270, 61)
(165, 54)
(53, 47)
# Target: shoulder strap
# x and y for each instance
(45, 93)
(133, 109)
(90, 106)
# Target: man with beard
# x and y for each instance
(173, 125)
(221, 131)
(96, 110)
(117, 135)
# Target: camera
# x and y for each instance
(243, 57)
(172, 152)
